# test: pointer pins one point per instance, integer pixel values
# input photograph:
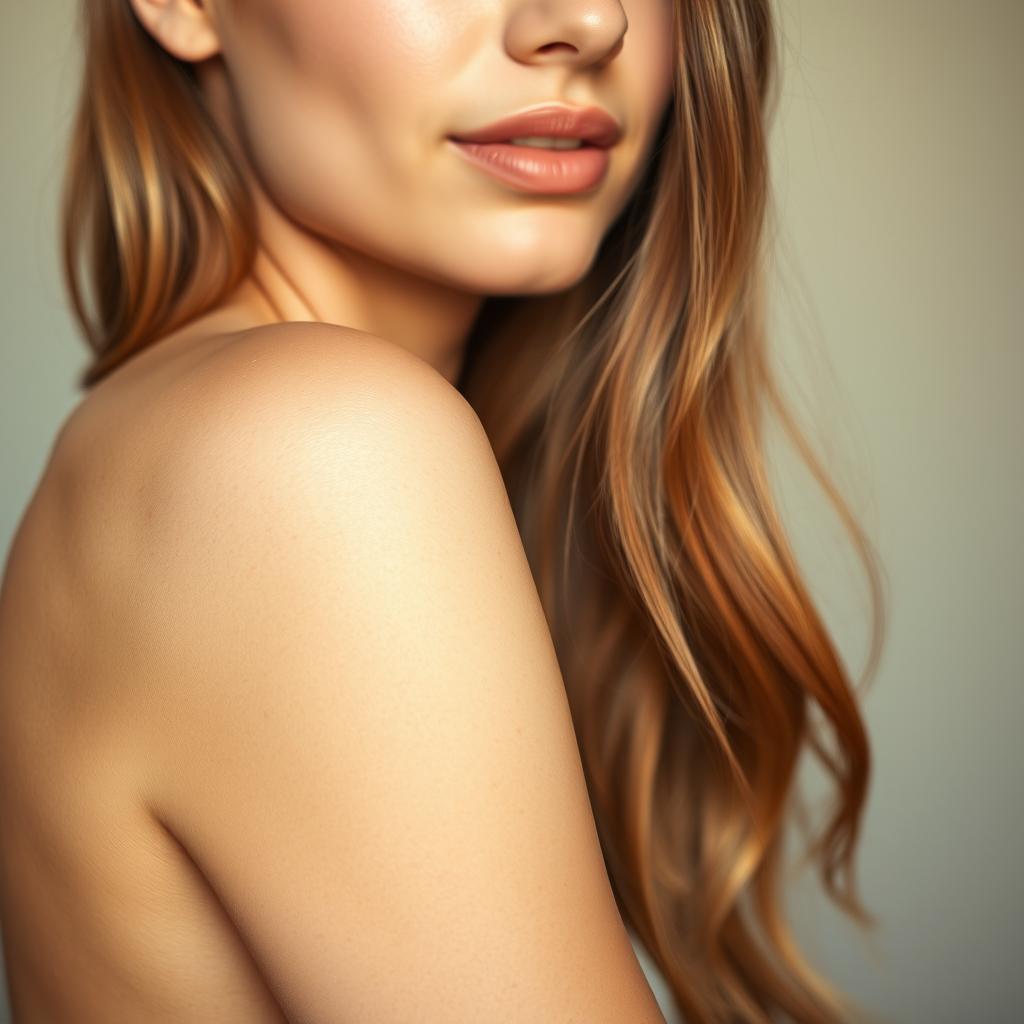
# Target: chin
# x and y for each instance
(538, 272)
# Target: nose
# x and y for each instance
(579, 33)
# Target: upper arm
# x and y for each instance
(362, 737)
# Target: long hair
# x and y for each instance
(157, 225)
(627, 416)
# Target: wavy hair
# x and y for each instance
(627, 416)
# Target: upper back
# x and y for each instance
(289, 583)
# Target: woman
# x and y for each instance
(403, 618)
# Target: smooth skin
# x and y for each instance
(282, 731)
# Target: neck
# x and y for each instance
(302, 275)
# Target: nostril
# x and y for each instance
(548, 47)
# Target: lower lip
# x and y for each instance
(532, 169)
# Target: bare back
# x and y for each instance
(105, 916)
(106, 913)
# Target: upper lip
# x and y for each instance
(591, 124)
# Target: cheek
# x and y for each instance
(331, 91)
(655, 54)
(655, 75)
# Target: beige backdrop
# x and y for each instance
(899, 163)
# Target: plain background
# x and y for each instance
(899, 163)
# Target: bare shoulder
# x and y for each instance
(212, 438)
(358, 725)
(313, 457)
(291, 351)
(286, 418)
(226, 401)
(298, 436)
(328, 377)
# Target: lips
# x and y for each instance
(531, 169)
(591, 124)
